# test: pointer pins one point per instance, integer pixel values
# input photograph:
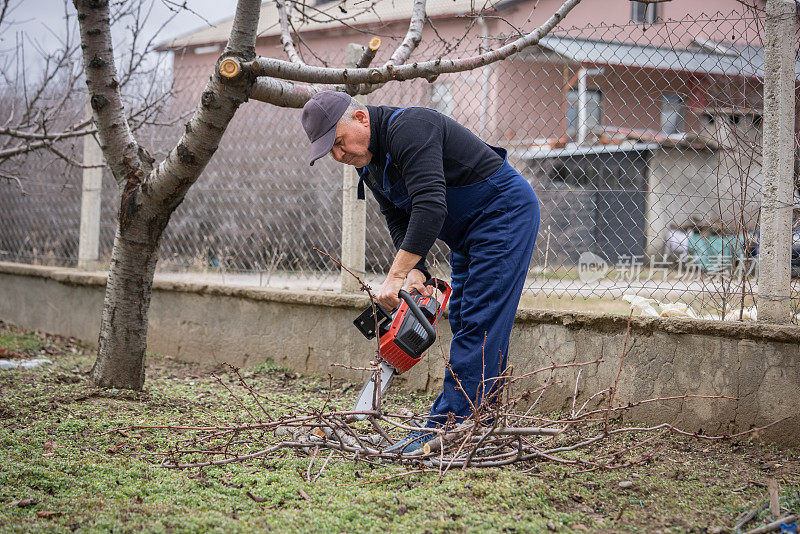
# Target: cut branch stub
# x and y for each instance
(369, 53)
(230, 68)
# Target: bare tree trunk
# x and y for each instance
(123, 330)
(148, 195)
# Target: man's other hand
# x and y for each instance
(416, 280)
(387, 294)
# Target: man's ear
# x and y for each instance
(361, 116)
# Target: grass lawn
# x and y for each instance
(60, 472)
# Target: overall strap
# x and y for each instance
(360, 191)
(393, 115)
(389, 156)
(362, 173)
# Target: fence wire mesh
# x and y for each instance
(642, 142)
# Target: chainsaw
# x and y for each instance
(405, 334)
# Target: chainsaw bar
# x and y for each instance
(365, 399)
(404, 336)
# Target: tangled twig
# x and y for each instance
(502, 430)
(499, 433)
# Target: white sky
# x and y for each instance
(40, 19)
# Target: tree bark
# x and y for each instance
(123, 330)
(149, 195)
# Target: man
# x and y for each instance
(434, 178)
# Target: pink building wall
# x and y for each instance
(520, 100)
(612, 15)
(527, 100)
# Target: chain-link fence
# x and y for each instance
(643, 144)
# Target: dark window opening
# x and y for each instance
(594, 110)
(643, 13)
(673, 114)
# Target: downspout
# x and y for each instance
(583, 122)
(485, 78)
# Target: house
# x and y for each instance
(629, 120)
(692, 161)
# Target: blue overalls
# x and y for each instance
(491, 229)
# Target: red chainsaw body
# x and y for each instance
(402, 356)
(404, 340)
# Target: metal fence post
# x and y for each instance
(89, 241)
(354, 211)
(775, 241)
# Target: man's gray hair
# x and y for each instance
(354, 106)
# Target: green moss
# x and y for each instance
(20, 342)
(101, 482)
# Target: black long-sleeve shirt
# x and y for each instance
(429, 152)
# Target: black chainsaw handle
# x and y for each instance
(403, 294)
(441, 285)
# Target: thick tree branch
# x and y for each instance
(23, 148)
(413, 36)
(426, 69)
(286, 34)
(119, 146)
(168, 184)
(242, 41)
(284, 94)
(13, 132)
(295, 95)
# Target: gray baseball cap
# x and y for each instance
(320, 115)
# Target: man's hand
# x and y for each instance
(416, 280)
(387, 294)
(402, 267)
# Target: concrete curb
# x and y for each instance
(758, 365)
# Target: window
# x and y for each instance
(594, 114)
(576, 172)
(643, 12)
(210, 49)
(673, 114)
(441, 95)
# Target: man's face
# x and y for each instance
(352, 141)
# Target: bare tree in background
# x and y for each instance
(150, 190)
(43, 106)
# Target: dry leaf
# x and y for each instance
(115, 448)
(49, 447)
(45, 514)
(255, 497)
(22, 503)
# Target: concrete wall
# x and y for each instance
(758, 364)
(721, 188)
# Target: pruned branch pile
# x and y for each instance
(505, 430)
